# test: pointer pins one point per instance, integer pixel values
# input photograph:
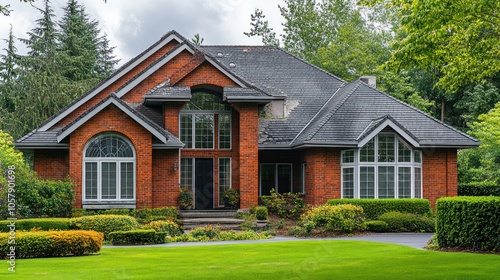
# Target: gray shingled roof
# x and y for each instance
(280, 74)
(323, 109)
(358, 109)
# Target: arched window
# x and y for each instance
(385, 167)
(201, 118)
(109, 169)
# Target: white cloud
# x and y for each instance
(133, 25)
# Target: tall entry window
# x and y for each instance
(385, 167)
(109, 169)
(199, 119)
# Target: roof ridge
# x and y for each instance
(330, 114)
(422, 112)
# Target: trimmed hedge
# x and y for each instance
(407, 222)
(137, 237)
(39, 223)
(104, 223)
(479, 189)
(373, 208)
(334, 218)
(42, 244)
(143, 216)
(376, 226)
(468, 222)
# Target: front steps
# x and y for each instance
(225, 219)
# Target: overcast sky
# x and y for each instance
(133, 25)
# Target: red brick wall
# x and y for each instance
(322, 175)
(439, 174)
(51, 164)
(165, 178)
(113, 119)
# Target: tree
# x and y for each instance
(197, 39)
(457, 40)
(260, 27)
(482, 164)
(8, 73)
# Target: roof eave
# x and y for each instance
(41, 146)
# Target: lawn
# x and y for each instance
(279, 260)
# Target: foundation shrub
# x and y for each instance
(287, 205)
(468, 222)
(376, 226)
(334, 218)
(43, 244)
(104, 223)
(407, 222)
(373, 208)
(170, 227)
(137, 237)
(38, 223)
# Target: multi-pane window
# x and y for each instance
(109, 174)
(187, 173)
(385, 167)
(224, 177)
(277, 176)
(199, 119)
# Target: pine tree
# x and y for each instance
(8, 73)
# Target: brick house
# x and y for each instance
(252, 118)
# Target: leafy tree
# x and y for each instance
(483, 163)
(458, 40)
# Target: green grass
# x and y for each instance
(280, 260)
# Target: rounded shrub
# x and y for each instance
(42, 244)
(376, 226)
(104, 223)
(407, 222)
(344, 218)
(261, 213)
(169, 227)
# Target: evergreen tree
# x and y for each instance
(8, 74)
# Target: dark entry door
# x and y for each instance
(204, 184)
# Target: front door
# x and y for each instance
(204, 184)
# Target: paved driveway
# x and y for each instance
(415, 240)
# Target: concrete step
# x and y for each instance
(194, 214)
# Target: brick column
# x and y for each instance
(248, 155)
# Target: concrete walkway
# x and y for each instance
(415, 240)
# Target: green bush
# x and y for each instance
(468, 222)
(42, 244)
(38, 223)
(376, 207)
(334, 218)
(170, 227)
(143, 216)
(376, 226)
(479, 189)
(104, 223)
(261, 213)
(137, 237)
(407, 222)
(287, 205)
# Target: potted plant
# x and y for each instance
(231, 198)
(185, 199)
(261, 215)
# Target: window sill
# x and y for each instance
(108, 204)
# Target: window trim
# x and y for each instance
(100, 161)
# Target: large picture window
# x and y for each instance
(199, 119)
(277, 176)
(385, 167)
(109, 169)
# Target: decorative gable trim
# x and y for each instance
(114, 77)
(112, 99)
(376, 126)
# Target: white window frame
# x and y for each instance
(219, 177)
(118, 161)
(357, 165)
